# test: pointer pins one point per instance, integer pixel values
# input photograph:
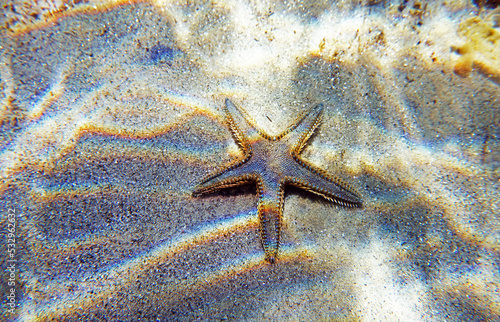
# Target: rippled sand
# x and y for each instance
(112, 112)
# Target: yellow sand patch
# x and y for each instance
(482, 49)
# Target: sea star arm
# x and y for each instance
(270, 211)
(241, 125)
(226, 180)
(302, 129)
(315, 180)
(230, 175)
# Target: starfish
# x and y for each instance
(273, 162)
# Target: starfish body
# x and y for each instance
(273, 162)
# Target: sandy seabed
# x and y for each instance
(111, 112)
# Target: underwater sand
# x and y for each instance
(113, 111)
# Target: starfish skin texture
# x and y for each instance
(273, 162)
